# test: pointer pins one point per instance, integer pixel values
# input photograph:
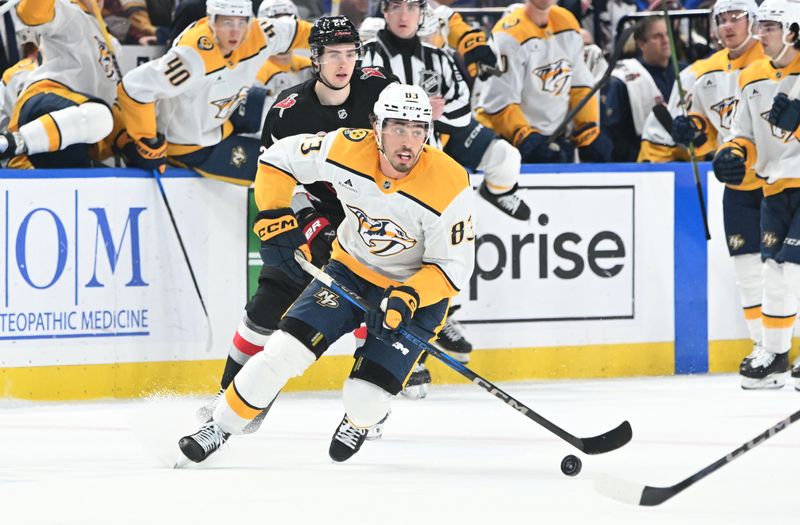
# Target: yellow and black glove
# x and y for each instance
(478, 55)
(147, 153)
(397, 307)
(280, 237)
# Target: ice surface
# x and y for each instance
(458, 457)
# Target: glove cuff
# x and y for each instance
(314, 226)
(521, 134)
(271, 223)
(470, 41)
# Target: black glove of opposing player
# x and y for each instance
(319, 233)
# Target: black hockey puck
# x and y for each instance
(571, 465)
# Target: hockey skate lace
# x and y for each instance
(452, 331)
(509, 202)
(210, 437)
(349, 435)
(762, 357)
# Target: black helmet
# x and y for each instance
(329, 30)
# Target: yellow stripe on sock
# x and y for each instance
(239, 405)
(769, 321)
(752, 313)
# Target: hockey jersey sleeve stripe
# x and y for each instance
(589, 115)
(53, 133)
(460, 112)
(274, 187)
(510, 123)
(36, 12)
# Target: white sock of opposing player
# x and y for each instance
(84, 124)
(779, 305)
(260, 380)
(750, 280)
(500, 164)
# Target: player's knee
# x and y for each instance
(87, 123)
(748, 270)
(263, 312)
(311, 338)
(364, 402)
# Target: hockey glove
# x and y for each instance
(397, 307)
(599, 150)
(688, 130)
(146, 153)
(319, 233)
(280, 237)
(534, 149)
(729, 166)
(785, 113)
(478, 55)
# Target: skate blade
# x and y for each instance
(181, 461)
(771, 382)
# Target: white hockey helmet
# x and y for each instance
(784, 12)
(216, 8)
(430, 22)
(276, 8)
(726, 6)
(370, 26)
(403, 102)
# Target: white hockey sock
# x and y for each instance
(260, 380)
(500, 166)
(779, 307)
(84, 124)
(364, 402)
(750, 280)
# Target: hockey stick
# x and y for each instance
(606, 442)
(662, 115)
(612, 61)
(645, 495)
(8, 6)
(682, 96)
(209, 339)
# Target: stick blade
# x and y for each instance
(611, 440)
(619, 489)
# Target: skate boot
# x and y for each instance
(763, 369)
(452, 339)
(796, 375)
(376, 430)
(417, 384)
(508, 202)
(346, 441)
(204, 442)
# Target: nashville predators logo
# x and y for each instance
(106, 61)
(778, 133)
(204, 43)
(726, 108)
(383, 236)
(555, 77)
(226, 106)
(735, 241)
(238, 156)
(769, 239)
(356, 135)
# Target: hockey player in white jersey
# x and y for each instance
(714, 100)
(406, 244)
(15, 77)
(283, 70)
(773, 153)
(543, 76)
(64, 111)
(183, 106)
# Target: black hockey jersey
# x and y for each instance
(298, 110)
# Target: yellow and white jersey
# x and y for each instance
(657, 144)
(416, 230)
(543, 75)
(772, 152)
(14, 79)
(75, 53)
(190, 93)
(276, 76)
